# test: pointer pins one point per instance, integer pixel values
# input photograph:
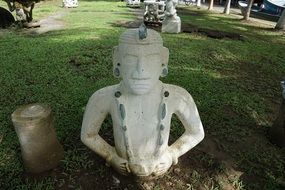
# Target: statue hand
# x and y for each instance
(119, 164)
(164, 162)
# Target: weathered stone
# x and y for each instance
(70, 3)
(171, 25)
(133, 3)
(172, 22)
(40, 148)
(142, 112)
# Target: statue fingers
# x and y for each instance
(160, 171)
(123, 171)
(160, 166)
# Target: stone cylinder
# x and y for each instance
(40, 148)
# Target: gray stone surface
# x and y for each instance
(172, 22)
(171, 25)
(141, 107)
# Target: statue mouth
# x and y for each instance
(143, 82)
(140, 78)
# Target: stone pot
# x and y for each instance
(40, 148)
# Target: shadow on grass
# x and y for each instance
(227, 23)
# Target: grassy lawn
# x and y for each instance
(236, 86)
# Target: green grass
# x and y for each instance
(235, 85)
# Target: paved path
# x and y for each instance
(235, 11)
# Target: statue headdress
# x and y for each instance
(140, 35)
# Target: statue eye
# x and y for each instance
(130, 59)
(153, 58)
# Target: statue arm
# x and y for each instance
(95, 113)
(188, 114)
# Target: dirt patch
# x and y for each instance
(217, 34)
(186, 28)
(50, 23)
(201, 168)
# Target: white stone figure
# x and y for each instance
(133, 3)
(141, 107)
(154, 11)
(70, 3)
(172, 22)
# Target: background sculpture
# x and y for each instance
(141, 107)
(70, 3)
(172, 22)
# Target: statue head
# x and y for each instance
(140, 59)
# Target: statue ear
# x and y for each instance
(116, 62)
(164, 64)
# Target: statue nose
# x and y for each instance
(141, 65)
(141, 70)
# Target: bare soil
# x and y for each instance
(50, 23)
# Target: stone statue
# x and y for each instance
(69, 3)
(133, 3)
(172, 22)
(141, 107)
(170, 8)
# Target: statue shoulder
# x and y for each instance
(104, 94)
(178, 93)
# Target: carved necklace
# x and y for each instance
(124, 126)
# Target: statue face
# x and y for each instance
(141, 66)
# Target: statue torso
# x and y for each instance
(143, 116)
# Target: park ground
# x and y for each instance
(235, 83)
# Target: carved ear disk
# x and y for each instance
(116, 71)
(164, 71)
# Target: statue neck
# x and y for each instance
(155, 91)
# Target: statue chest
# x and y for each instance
(137, 127)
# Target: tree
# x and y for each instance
(24, 9)
(281, 22)
(211, 4)
(247, 11)
(227, 7)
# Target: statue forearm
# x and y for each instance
(98, 145)
(186, 142)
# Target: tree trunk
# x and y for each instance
(211, 4)
(227, 7)
(10, 5)
(198, 4)
(281, 22)
(247, 12)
